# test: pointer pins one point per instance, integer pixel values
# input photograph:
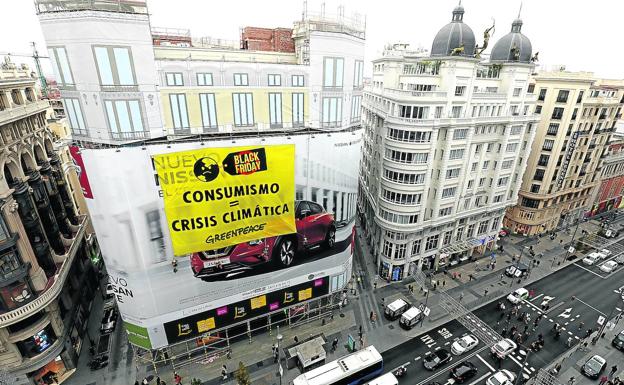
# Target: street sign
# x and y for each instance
(601, 320)
(426, 312)
(566, 313)
(281, 370)
(571, 249)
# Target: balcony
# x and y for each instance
(461, 121)
(123, 6)
(404, 94)
(489, 95)
(54, 288)
(19, 112)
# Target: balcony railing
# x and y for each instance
(51, 293)
(125, 6)
(489, 95)
(18, 112)
(398, 93)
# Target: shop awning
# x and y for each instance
(461, 246)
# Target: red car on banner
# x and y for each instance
(315, 227)
(81, 171)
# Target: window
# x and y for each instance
(358, 73)
(114, 66)
(580, 97)
(456, 111)
(452, 173)
(407, 157)
(481, 182)
(516, 130)
(552, 129)
(489, 147)
(530, 203)
(298, 81)
(448, 192)
(297, 109)
(174, 79)
(507, 164)
(60, 65)
(432, 242)
(470, 183)
(275, 109)
(542, 95)
(243, 109)
(498, 198)
(486, 164)
(483, 226)
(562, 96)
(124, 118)
(208, 110)
(516, 91)
(241, 80)
(535, 188)
(204, 79)
(413, 112)
(557, 113)
(531, 89)
(355, 108)
(460, 90)
(495, 224)
(471, 229)
(74, 113)
(409, 136)
(275, 80)
(332, 112)
(438, 112)
(386, 250)
(333, 69)
(459, 235)
(548, 144)
(543, 160)
(416, 246)
(460, 133)
(503, 181)
(574, 113)
(404, 199)
(399, 253)
(404, 178)
(511, 147)
(398, 218)
(456, 154)
(179, 111)
(538, 109)
(474, 166)
(539, 174)
(445, 211)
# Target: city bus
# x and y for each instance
(386, 379)
(353, 369)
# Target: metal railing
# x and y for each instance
(124, 6)
(49, 295)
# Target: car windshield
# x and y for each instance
(431, 358)
(593, 364)
(494, 380)
(462, 343)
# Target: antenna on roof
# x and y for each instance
(520, 10)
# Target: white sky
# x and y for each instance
(581, 35)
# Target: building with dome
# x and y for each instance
(447, 139)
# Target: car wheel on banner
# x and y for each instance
(285, 252)
(330, 238)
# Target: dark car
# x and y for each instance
(315, 227)
(594, 366)
(463, 371)
(436, 359)
(517, 270)
(618, 341)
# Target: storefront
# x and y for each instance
(54, 372)
(397, 273)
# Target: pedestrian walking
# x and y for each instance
(603, 379)
(614, 369)
(334, 344)
(275, 356)
(588, 332)
(374, 285)
(360, 331)
(224, 373)
(158, 382)
(581, 325)
(136, 382)
(571, 381)
(296, 339)
(526, 327)
(443, 283)
(177, 379)
(145, 382)
(570, 341)
(486, 292)
(504, 332)
(502, 276)
(461, 296)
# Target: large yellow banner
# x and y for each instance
(217, 197)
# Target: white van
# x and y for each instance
(592, 258)
(396, 308)
(411, 317)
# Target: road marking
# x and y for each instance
(550, 319)
(405, 364)
(417, 358)
(570, 333)
(589, 271)
(527, 371)
(447, 367)
(566, 313)
(437, 347)
(447, 342)
(486, 363)
(515, 360)
(588, 305)
(480, 378)
(450, 381)
(429, 352)
(536, 297)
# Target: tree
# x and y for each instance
(195, 381)
(242, 375)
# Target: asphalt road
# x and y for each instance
(595, 294)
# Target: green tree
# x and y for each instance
(242, 375)
(196, 381)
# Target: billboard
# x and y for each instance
(219, 197)
(76, 156)
(168, 293)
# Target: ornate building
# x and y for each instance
(446, 142)
(47, 280)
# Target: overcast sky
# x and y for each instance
(582, 35)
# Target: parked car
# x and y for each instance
(437, 358)
(592, 258)
(395, 308)
(594, 366)
(517, 271)
(502, 377)
(464, 344)
(503, 347)
(463, 371)
(618, 341)
(411, 317)
(605, 252)
(608, 266)
(518, 296)
(109, 320)
(315, 227)
(620, 259)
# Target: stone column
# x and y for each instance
(22, 93)
(15, 226)
(55, 318)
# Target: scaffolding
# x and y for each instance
(208, 347)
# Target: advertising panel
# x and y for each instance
(175, 295)
(223, 196)
(76, 155)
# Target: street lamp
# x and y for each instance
(518, 264)
(279, 362)
(422, 318)
(578, 222)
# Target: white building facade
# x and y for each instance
(446, 142)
